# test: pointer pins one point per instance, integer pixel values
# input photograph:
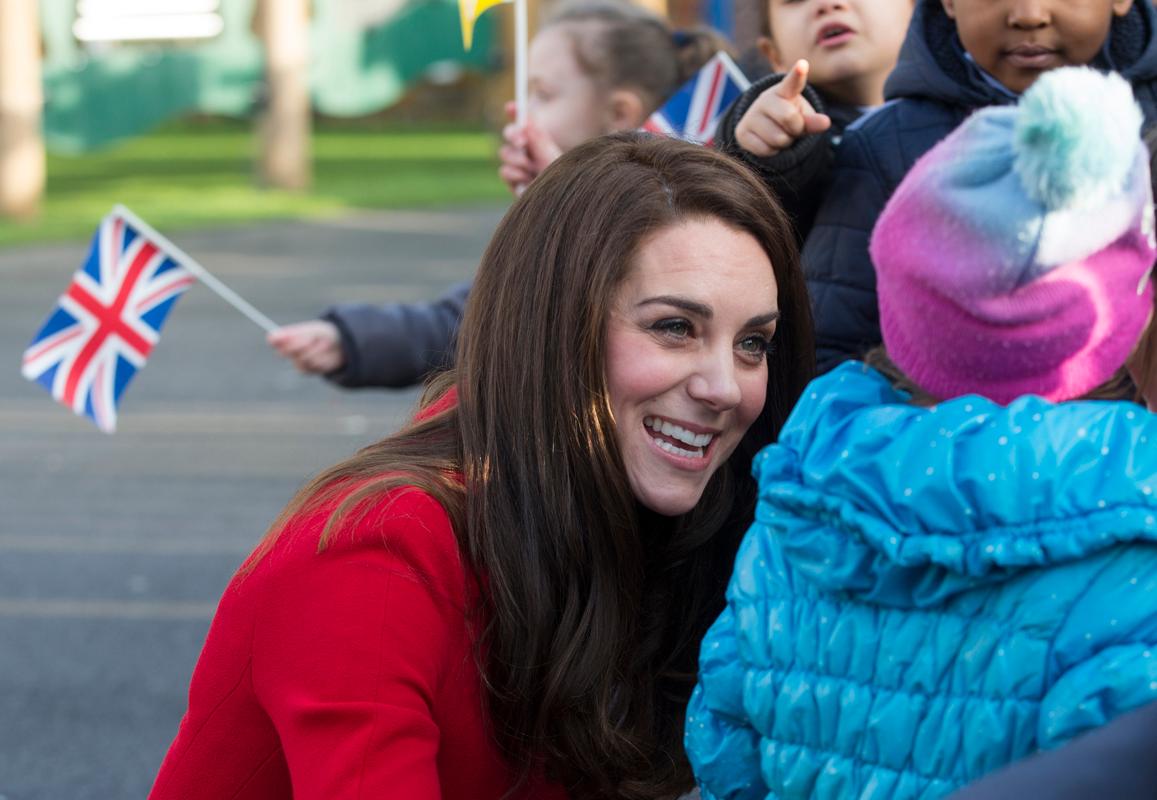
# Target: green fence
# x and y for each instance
(96, 94)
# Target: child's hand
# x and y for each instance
(313, 346)
(779, 116)
(525, 152)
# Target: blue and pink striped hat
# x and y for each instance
(1014, 258)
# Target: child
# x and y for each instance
(830, 59)
(596, 66)
(945, 578)
(959, 55)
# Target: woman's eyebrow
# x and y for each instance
(689, 306)
(763, 319)
(704, 311)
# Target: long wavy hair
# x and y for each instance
(590, 608)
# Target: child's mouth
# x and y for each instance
(834, 34)
(1031, 56)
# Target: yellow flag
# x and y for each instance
(471, 10)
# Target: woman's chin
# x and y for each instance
(669, 504)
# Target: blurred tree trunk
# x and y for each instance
(22, 169)
(658, 6)
(284, 125)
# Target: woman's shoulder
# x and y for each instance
(401, 529)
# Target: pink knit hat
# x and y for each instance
(1014, 258)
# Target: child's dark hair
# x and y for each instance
(620, 45)
(1144, 360)
(765, 18)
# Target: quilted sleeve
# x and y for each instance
(398, 344)
(799, 174)
(722, 747)
(1111, 683)
(838, 269)
(1105, 654)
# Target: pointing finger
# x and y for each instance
(792, 85)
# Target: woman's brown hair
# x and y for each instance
(593, 607)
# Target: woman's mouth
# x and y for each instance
(1032, 56)
(677, 440)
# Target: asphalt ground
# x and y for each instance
(114, 549)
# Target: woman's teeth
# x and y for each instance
(698, 441)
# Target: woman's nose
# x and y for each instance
(715, 382)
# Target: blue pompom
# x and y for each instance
(1076, 137)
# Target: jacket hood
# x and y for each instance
(906, 506)
(932, 65)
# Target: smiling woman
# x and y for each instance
(687, 348)
(505, 598)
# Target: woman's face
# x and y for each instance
(687, 344)
(563, 101)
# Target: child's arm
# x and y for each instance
(525, 152)
(314, 346)
(778, 127)
(840, 277)
(779, 116)
(722, 746)
(393, 346)
(399, 344)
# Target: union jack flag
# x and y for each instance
(107, 321)
(693, 112)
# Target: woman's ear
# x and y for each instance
(626, 111)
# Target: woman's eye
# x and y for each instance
(673, 328)
(756, 346)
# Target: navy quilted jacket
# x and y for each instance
(928, 594)
(933, 88)
(398, 344)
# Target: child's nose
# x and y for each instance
(1028, 14)
(828, 6)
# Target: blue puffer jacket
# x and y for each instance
(933, 88)
(929, 593)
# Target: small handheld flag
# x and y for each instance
(106, 323)
(109, 318)
(471, 10)
(694, 111)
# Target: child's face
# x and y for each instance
(851, 45)
(564, 102)
(1015, 41)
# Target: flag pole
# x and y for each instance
(733, 69)
(521, 46)
(206, 277)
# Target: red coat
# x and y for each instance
(341, 674)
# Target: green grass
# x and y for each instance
(202, 174)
